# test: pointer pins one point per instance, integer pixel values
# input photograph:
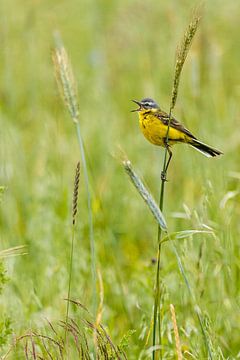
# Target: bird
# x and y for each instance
(154, 124)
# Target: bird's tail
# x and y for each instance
(205, 149)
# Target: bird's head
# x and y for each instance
(146, 105)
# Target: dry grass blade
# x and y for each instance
(145, 194)
(176, 334)
(51, 326)
(33, 347)
(13, 251)
(110, 343)
(46, 350)
(77, 303)
(182, 55)
(39, 346)
(73, 330)
(26, 349)
(101, 294)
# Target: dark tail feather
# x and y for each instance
(205, 149)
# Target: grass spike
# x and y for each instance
(74, 213)
(182, 53)
(75, 193)
(145, 194)
(65, 79)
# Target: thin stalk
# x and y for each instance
(156, 211)
(67, 87)
(74, 213)
(69, 280)
(157, 311)
(90, 217)
(181, 57)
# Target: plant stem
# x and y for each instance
(90, 217)
(156, 311)
(181, 57)
(66, 84)
(69, 282)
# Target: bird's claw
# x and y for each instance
(163, 176)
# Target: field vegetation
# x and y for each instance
(118, 51)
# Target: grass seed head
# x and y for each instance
(182, 53)
(65, 79)
(75, 193)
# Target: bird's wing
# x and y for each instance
(174, 123)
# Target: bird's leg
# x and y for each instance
(170, 157)
(163, 176)
(164, 172)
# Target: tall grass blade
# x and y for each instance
(180, 59)
(67, 89)
(13, 251)
(74, 213)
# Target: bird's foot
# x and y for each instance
(163, 176)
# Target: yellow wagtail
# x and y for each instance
(154, 123)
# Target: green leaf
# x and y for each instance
(183, 234)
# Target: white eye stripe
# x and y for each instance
(149, 103)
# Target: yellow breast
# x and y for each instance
(155, 131)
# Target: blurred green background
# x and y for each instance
(120, 50)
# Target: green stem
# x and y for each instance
(69, 281)
(90, 217)
(156, 311)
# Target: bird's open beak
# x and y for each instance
(139, 104)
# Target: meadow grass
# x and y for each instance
(120, 51)
(74, 214)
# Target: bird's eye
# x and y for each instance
(147, 104)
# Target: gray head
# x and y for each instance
(146, 104)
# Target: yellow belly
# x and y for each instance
(155, 131)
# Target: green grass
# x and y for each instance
(120, 51)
